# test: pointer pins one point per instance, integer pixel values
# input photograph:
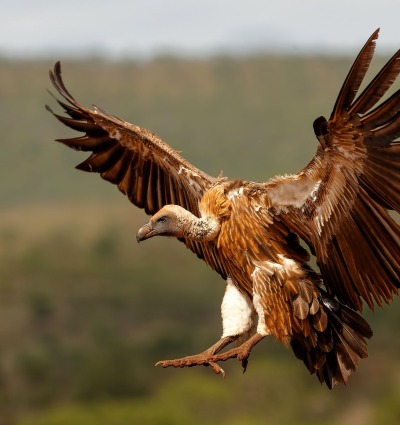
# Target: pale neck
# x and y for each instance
(201, 229)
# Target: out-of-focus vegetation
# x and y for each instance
(86, 312)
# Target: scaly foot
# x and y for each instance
(190, 361)
(202, 358)
(242, 352)
(210, 358)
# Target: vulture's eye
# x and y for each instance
(162, 219)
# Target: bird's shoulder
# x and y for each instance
(229, 198)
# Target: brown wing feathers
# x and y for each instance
(136, 160)
(364, 250)
(377, 87)
(148, 171)
(363, 257)
(355, 77)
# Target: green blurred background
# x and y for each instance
(86, 311)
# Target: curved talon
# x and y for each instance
(216, 368)
(241, 356)
(245, 362)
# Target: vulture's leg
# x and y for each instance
(202, 358)
(242, 352)
(237, 320)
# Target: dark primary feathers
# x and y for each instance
(356, 170)
(249, 232)
(144, 168)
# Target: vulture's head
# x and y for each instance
(171, 220)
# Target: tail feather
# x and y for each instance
(335, 352)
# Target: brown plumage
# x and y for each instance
(250, 232)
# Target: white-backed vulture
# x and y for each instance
(250, 232)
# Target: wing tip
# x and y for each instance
(375, 34)
(58, 83)
(355, 76)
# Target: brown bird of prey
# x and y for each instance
(250, 232)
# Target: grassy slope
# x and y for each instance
(86, 312)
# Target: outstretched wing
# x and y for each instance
(147, 170)
(338, 203)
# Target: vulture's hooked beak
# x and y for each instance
(145, 232)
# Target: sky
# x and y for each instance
(144, 28)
